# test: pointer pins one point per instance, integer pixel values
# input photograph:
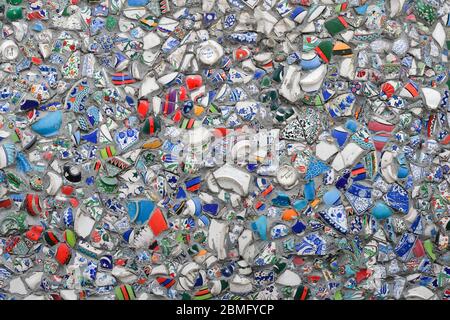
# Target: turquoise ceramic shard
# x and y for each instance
(49, 125)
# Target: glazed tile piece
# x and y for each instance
(225, 150)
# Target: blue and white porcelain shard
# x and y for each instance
(388, 225)
(310, 61)
(341, 105)
(405, 245)
(68, 217)
(91, 137)
(298, 14)
(93, 115)
(126, 138)
(417, 225)
(312, 244)
(247, 109)
(397, 198)
(279, 231)
(340, 134)
(360, 197)
(327, 94)
(49, 125)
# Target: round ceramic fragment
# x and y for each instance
(287, 177)
(209, 52)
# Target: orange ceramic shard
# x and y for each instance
(289, 214)
(152, 144)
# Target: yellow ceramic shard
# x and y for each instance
(315, 202)
(198, 110)
(152, 144)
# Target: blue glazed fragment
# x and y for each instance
(260, 226)
(381, 211)
(49, 125)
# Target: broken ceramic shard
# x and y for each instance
(312, 81)
(216, 240)
(232, 178)
(432, 97)
(290, 87)
(209, 52)
(224, 150)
